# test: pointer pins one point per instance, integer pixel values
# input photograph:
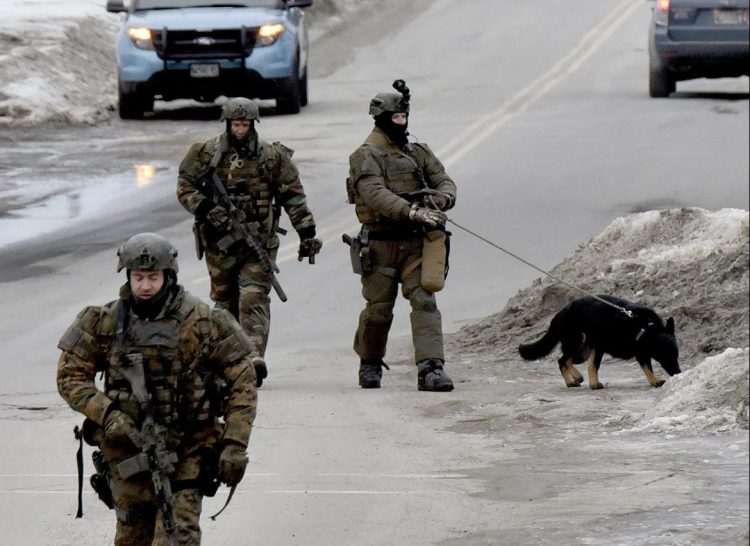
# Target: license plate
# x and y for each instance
(204, 70)
(730, 16)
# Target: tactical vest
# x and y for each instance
(400, 174)
(251, 184)
(179, 389)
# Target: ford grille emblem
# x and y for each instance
(204, 41)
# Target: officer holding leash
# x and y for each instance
(399, 190)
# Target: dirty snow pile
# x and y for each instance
(57, 58)
(56, 62)
(712, 396)
(690, 264)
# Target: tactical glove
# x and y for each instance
(443, 201)
(232, 464)
(119, 428)
(308, 248)
(218, 217)
(431, 218)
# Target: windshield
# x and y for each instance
(169, 4)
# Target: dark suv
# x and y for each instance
(201, 49)
(692, 39)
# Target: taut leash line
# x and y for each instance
(547, 273)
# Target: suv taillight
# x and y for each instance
(661, 12)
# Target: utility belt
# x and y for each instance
(394, 235)
(434, 260)
(207, 481)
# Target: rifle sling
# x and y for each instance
(229, 498)
(79, 462)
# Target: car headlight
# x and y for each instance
(268, 34)
(141, 37)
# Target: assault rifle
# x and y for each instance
(154, 457)
(210, 186)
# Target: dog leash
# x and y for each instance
(558, 279)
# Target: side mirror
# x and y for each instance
(116, 6)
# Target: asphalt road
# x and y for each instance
(541, 115)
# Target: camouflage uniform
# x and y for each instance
(379, 170)
(198, 370)
(260, 179)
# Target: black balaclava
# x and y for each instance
(247, 143)
(396, 133)
(150, 308)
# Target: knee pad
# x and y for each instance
(381, 312)
(421, 300)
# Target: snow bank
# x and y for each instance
(713, 396)
(58, 62)
(57, 59)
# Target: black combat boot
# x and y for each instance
(431, 377)
(261, 371)
(370, 372)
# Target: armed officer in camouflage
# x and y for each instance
(386, 174)
(169, 361)
(260, 179)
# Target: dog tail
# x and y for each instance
(543, 346)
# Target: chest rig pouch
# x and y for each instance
(156, 343)
(401, 174)
(250, 178)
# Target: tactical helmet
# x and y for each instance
(388, 102)
(147, 252)
(240, 108)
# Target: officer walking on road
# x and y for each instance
(399, 190)
(174, 414)
(260, 180)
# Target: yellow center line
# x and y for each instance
(485, 126)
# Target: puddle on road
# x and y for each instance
(34, 208)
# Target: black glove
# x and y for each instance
(218, 217)
(434, 219)
(232, 464)
(443, 201)
(308, 248)
(119, 428)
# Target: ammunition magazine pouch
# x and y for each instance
(133, 465)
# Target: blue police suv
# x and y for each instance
(697, 39)
(201, 49)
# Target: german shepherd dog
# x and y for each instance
(587, 328)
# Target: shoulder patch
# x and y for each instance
(80, 337)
